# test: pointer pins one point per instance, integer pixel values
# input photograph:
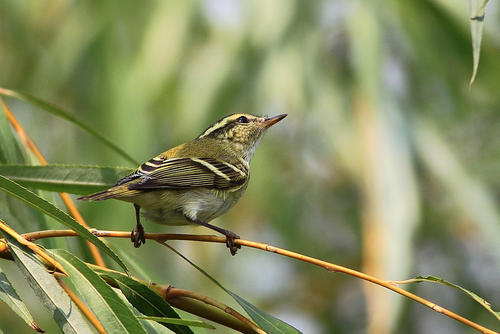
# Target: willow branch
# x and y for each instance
(30, 145)
(162, 237)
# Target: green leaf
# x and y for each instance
(265, 321)
(71, 179)
(477, 8)
(110, 309)
(144, 299)
(46, 288)
(175, 321)
(10, 297)
(474, 296)
(35, 201)
(55, 110)
(9, 148)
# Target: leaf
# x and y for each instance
(265, 321)
(144, 299)
(10, 297)
(110, 309)
(49, 209)
(55, 110)
(471, 294)
(65, 178)
(46, 288)
(477, 8)
(9, 148)
(175, 321)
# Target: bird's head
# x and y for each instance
(241, 131)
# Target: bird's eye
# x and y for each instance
(242, 119)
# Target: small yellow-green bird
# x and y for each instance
(194, 182)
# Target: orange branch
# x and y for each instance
(65, 197)
(327, 265)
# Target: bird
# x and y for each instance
(194, 182)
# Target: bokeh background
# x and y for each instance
(387, 163)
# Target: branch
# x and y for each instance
(162, 237)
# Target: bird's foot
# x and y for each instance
(137, 236)
(230, 237)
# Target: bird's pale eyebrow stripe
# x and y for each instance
(216, 126)
(211, 167)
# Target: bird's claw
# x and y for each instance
(230, 237)
(137, 236)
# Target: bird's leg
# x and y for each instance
(230, 236)
(137, 235)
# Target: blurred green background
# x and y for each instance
(387, 162)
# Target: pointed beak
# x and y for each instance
(272, 120)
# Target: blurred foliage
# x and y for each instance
(388, 162)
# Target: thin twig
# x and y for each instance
(327, 265)
(65, 197)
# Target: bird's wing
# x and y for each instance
(185, 173)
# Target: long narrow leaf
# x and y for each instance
(477, 8)
(49, 209)
(10, 297)
(55, 110)
(114, 314)
(9, 148)
(46, 288)
(65, 178)
(145, 300)
(175, 321)
(265, 321)
(471, 294)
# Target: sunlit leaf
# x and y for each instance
(53, 109)
(49, 209)
(477, 8)
(175, 321)
(471, 294)
(65, 178)
(144, 299)
(46, 288)
(10, 297)
(112, 312)
(265, 321)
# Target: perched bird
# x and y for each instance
(194, 182)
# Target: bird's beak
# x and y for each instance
(272, 120)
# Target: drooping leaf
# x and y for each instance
(46, 288)
(10, 297)
(35, 201)
(471, 294)
(477, 8)
(112, 312)
(265, 321)
(144, 299)
(55, 110)
(175, 321)
(65, 178)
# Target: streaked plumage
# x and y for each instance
(197, 181)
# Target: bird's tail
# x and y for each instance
(100, 196)
(119, 192)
